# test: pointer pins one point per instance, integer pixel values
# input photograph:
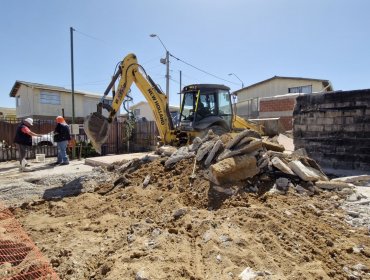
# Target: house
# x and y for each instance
(142, 111)
(275, 97)
(7, 113)
(41, 101)
(249, 97)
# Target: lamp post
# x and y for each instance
(167, 62)
(232, 74)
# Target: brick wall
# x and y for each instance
(334, 128)
(279, 106)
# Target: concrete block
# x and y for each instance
(233, 169)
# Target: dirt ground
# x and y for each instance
(94, 225)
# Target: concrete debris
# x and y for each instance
(250, 145)
(233, 169)
(146, 181)
(166, 150)
(357, 180)
(286, 142)
(179, 155)
(331, 185)
(240, 136)
(205, 149)
(279, 164)
(195, 145)
(272, 146)
(306, 173)
(212, 154)
(130, 166)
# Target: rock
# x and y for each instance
(146, 181)
(279, 164)
(330, 185)
(248, 274)
(282, 184)
(142, 275)
(179, 213)
(304, 172)
(233, 169)
(361, 267)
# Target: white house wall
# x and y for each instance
(30, 104)
(277, 87)
(26, 100)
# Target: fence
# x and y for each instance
(143, 137)
(19, 257)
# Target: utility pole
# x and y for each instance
(180, 88)
(167, 62)
(73, 88)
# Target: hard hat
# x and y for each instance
(60, 119)
(29, 121)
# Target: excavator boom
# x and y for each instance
(97, 126)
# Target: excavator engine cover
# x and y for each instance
(97, 129)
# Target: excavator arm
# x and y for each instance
(97, 126)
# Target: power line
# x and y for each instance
(202, 70)
(91, 37)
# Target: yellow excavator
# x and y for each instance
(204, 107)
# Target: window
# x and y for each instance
(52, 98)
(302, 89)
(137, 112)
(18, 101)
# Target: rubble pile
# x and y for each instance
(249, 158)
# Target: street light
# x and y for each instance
(232, 74)
(167, 62)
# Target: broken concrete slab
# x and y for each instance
(211, 155)
(286, 142)
(306, 173)
(233, 169)
(240, 136)
(332, 185)
(166, 150)
(353, 179)
(109, 159)
(252, 146)
(180, 154)
(272, 146)
(205, 149)
(279, 164)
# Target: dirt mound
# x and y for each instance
(155, 222)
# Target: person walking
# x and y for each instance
(62, 136)
(23, 139)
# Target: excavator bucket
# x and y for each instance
(97, 129)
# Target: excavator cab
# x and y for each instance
(204, 107)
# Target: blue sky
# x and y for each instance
(255, 39)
